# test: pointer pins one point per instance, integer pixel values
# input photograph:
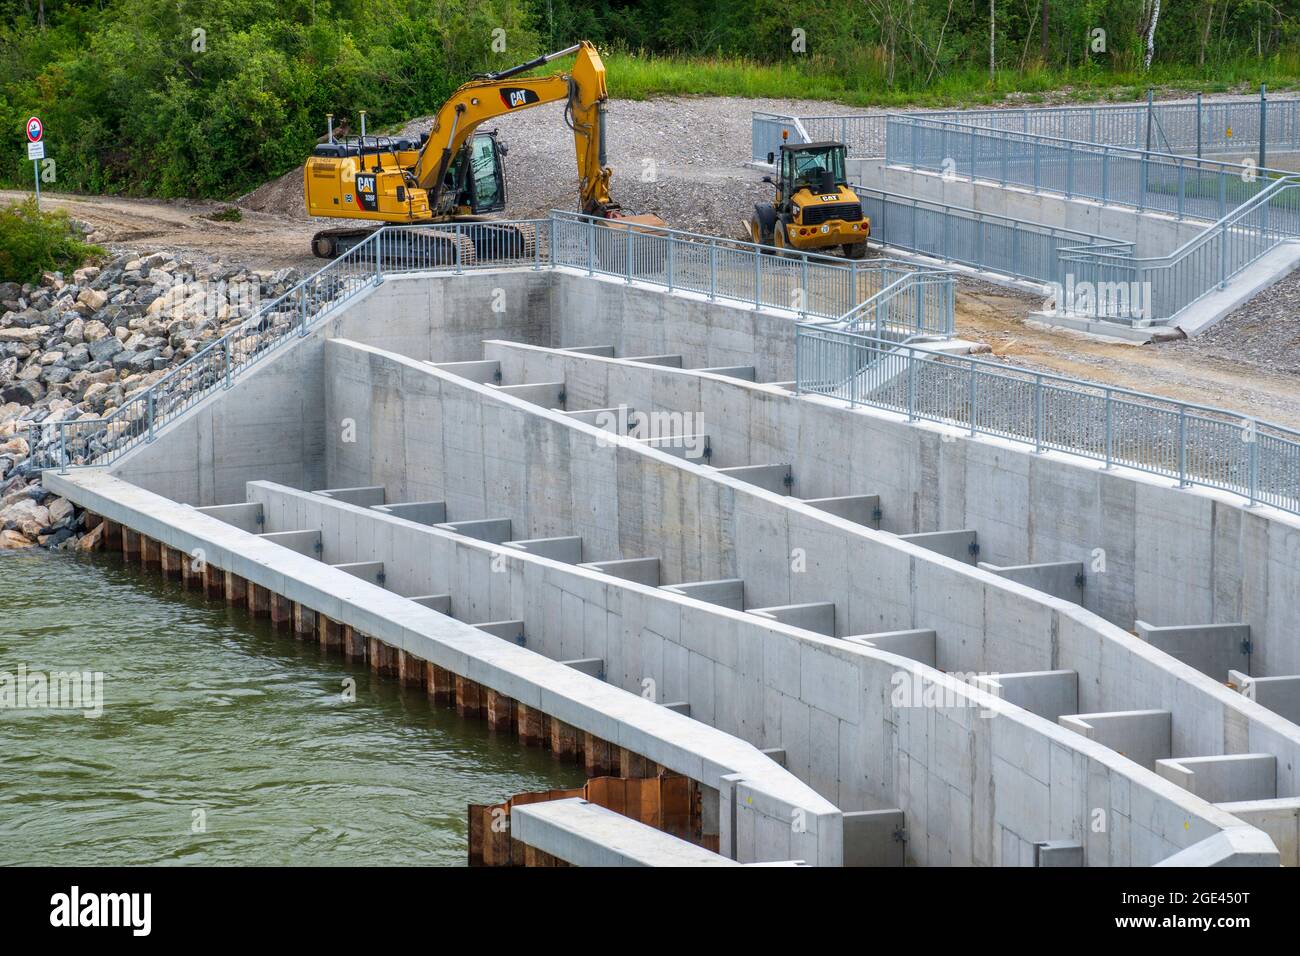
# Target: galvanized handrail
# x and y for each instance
(1195, 444)
(806, 284)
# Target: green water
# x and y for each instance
(212, 722)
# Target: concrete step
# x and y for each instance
(918, 645)
(436, 602)
(1061, 579)
(672, 361)
(492, 530)
(1213, 649)
(862, 509)
(818, 616)
(244, 516)
(545, 394)
(372, 571)
(363, 497)
(776, 477)
(725, 592)
(1226, 778)
(421, 512)
(745, 373)
(567, 549)
(482, 372)
(512, 631)
(620, 419)
(303, 542)
(696, 448)
(640, 570)
(592, 666)
(1144, 736)
(1280, 694)
(1049, 694)
(959, 545)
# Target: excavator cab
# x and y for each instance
(478, 175)
(814, 207)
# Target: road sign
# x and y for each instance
(35, 151)
(35, 130)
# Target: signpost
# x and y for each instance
(36, 151)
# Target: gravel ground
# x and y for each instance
(681, 158)
(1264, 333)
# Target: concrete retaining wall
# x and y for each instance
(552, 476)
(1149, 549)
(978, 780)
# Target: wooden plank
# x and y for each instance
(328, 633)
(356, 646)
(281, 612)
(214, 582)
(236, 589)
(469, 697)
(500, 712)
(440, 684)
(411, 670)
(304, 622)
(566, 741)
(112, 535)
(150, 553)
(259, 600)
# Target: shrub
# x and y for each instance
(32, 242)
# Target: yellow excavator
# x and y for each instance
(455, 174)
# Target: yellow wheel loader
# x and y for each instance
(814, 210)
(455, 173)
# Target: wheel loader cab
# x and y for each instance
(814, 208)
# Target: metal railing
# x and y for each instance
(1182, 186)
(1194, 444)
(390, 250)
(972, 238)
(1164, 285)
(1193, 128)
(804, 284)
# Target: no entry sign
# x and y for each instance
(35, 129)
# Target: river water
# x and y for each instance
(221, 741)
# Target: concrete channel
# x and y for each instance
(602, 519)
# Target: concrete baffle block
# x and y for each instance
(874, 838)
(1225, 778)
(1144, 736)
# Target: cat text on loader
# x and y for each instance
(456, 174)
(814, 208)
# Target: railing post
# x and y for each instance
(1110, 430)
(910, 356)
(971, 396)
(63, 449)
(1105, 175)
(798, 361)
(671, 244)
(1254, 464)
(713, 270)
(1263, 125)
(591, 246)
(803, 287)
(537, 248)
(627, 254)
(225, 355)
(1039, 423)
(758, 276)
(1223, 255)
(1182, 446)
(457, 241)
(379, 260)
(150, 407)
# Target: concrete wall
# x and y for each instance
(642, 321)
(715, 759)
(499, 458)
(1149, 550)
(1153, 234)
(979, 781)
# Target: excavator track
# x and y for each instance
(408, 247)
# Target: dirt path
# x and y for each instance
(995, 316)
(183, 227)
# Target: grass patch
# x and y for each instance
(32, 242)
(638, 76)
(228, 214)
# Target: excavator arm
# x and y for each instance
(497, 94)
